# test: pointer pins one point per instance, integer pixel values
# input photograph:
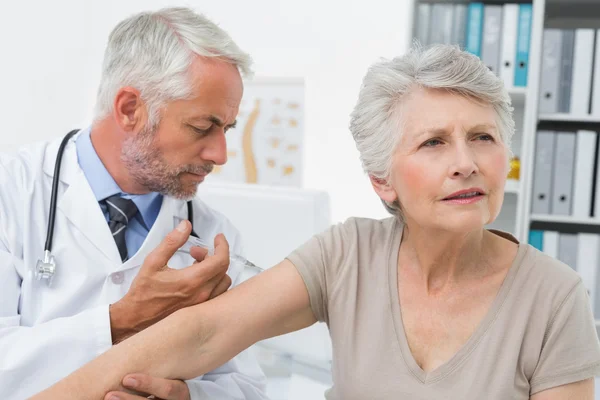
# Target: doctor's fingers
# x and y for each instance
(199, 253)
(207, 272)
(221, 287)
(158, 258)
(221, 245)
(159, 388)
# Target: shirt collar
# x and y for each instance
(103, 185)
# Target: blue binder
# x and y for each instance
(536, 239)
(474, 28)
(523, 40)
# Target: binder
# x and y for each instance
(596, 77)
(551, 243)
(583, 59)
(566, 71)
(492, 24)
(567, 249)
(459, 27)
(550, 74)
(523, 39)
(510, 15)
(564, 165)
(596, 304)
(536, 239)
(587, 262)
(440, 30)
(474, 28)
(447, 20)
(584, 173)
(423, 18)
(543, 172)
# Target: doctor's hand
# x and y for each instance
(159, 388)
(158, 290)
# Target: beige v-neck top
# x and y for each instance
(539, 332)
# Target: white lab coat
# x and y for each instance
(46, 333)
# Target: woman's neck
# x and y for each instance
(442, 260)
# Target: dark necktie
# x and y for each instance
(120, 212)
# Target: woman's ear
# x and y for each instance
(383, 189)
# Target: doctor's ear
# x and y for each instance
(129, 109)
(383, 189)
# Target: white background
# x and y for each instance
(52, 53)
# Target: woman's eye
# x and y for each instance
(432, 143)
(485, 137)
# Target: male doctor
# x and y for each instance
(170, 89)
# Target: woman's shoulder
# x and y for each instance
(544, 279)
(355, 228)
(553, 271)
(539, 266)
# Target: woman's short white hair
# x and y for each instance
(376, 121)
(153, 51)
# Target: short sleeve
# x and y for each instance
(571, 350)
(317, 261)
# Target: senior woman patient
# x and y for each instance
(426, 304)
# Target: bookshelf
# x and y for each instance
(564, 219)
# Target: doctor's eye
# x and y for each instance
(200, 131)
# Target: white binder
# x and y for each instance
(543, 171)
(567, 249)
(584, 173)
(550, 246)
(564, 166)
(587, 261)
(596, 86)
(459, 27)
(440, 26)
(492, 30)
(423, 20)
(550, 73)
(509, 44)
(582, 72)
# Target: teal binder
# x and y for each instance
(536, 239)
(474, 28)
(523, 40)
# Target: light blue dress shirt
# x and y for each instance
(103, 185)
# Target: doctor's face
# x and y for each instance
(174, 157)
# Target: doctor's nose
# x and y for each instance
(215, 149)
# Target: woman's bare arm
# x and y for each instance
(195, 340)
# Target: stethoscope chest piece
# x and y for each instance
(44, 269)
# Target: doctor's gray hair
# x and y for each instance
(153, 52)
(376, 121)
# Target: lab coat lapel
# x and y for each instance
(165, 223)
(78, 203)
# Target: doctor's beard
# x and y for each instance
(147, 166)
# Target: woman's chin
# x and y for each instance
(467, 223)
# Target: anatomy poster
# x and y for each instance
(266, 145)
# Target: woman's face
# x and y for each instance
(450, 166)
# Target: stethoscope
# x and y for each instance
(46, 268)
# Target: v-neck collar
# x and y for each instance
(460, 356)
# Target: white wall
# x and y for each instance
(52, 52)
